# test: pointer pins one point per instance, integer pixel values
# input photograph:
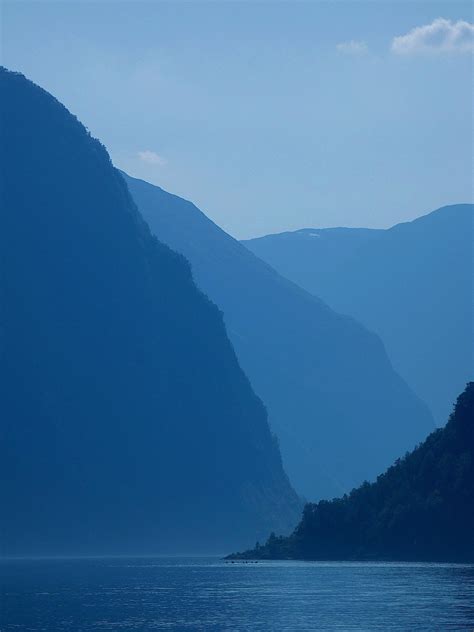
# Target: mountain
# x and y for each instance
(126, 423)
(339, 410)
(411, 284)
(421, 509)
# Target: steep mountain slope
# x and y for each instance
(127, 425)
(340, 411)
(412, 284)
(422, 508)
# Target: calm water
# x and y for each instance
(208, 594)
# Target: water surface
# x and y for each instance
(127, 595)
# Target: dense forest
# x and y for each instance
(422, 508)
(126, 423)
(323, 377)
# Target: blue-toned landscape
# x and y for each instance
(208, 594)
(253, 410)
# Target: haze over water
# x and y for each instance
(209, 594)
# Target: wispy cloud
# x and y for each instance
(152, 158)
(441, 36)
(353, 47)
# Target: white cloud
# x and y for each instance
(353, 47)
(152, 158)
(441, 36)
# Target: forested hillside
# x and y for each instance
(422, 508)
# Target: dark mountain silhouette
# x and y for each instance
(339, 410)
(411, 284)
(421, 509)
(127, 425)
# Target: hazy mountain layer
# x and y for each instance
(340, 411)
(412, 284)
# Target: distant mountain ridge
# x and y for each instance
(126, 423)
(326, 380)
(411, 284)
(421, 509)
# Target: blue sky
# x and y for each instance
(269, 116)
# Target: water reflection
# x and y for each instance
(208, 594)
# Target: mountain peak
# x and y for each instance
(121, 397)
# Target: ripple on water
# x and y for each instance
(208, 594)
